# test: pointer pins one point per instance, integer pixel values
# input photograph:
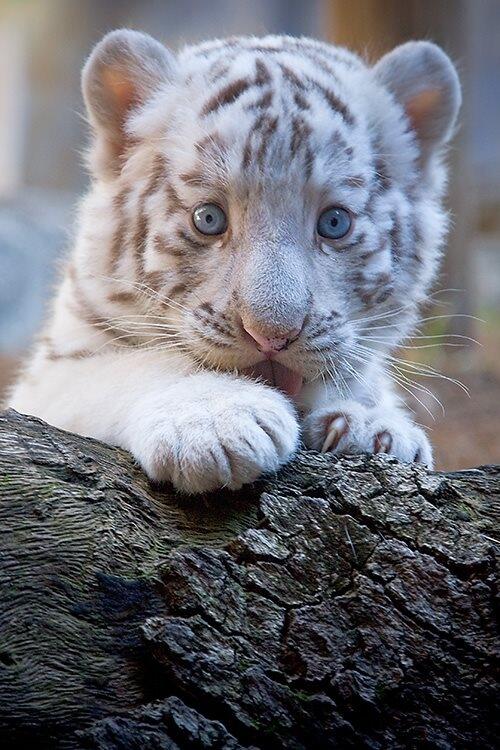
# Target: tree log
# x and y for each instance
(346, 603)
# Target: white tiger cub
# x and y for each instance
(263, 222)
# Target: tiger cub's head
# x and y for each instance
(279, 197)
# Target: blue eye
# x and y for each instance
(334, 223)
(209, 218)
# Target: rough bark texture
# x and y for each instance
(345, 604)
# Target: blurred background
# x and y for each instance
(43, 44)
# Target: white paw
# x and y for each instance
(214, 440)
(349, 427)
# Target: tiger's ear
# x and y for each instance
(124, 70)
(424, 81)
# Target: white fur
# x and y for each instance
(181, 408)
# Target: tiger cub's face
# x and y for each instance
(280, 197)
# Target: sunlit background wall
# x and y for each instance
(43, 44)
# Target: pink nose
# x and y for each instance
(272, 345)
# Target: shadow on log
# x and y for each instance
(344, 604)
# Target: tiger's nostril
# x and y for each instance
(272, 344)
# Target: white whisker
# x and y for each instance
(416, 368)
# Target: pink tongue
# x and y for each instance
(277, 375)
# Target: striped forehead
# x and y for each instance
(270, 110)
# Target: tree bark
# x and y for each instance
(343, 604)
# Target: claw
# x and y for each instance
(338, 428)
(382, 442)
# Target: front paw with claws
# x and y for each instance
(350, 427)
(213, 432)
